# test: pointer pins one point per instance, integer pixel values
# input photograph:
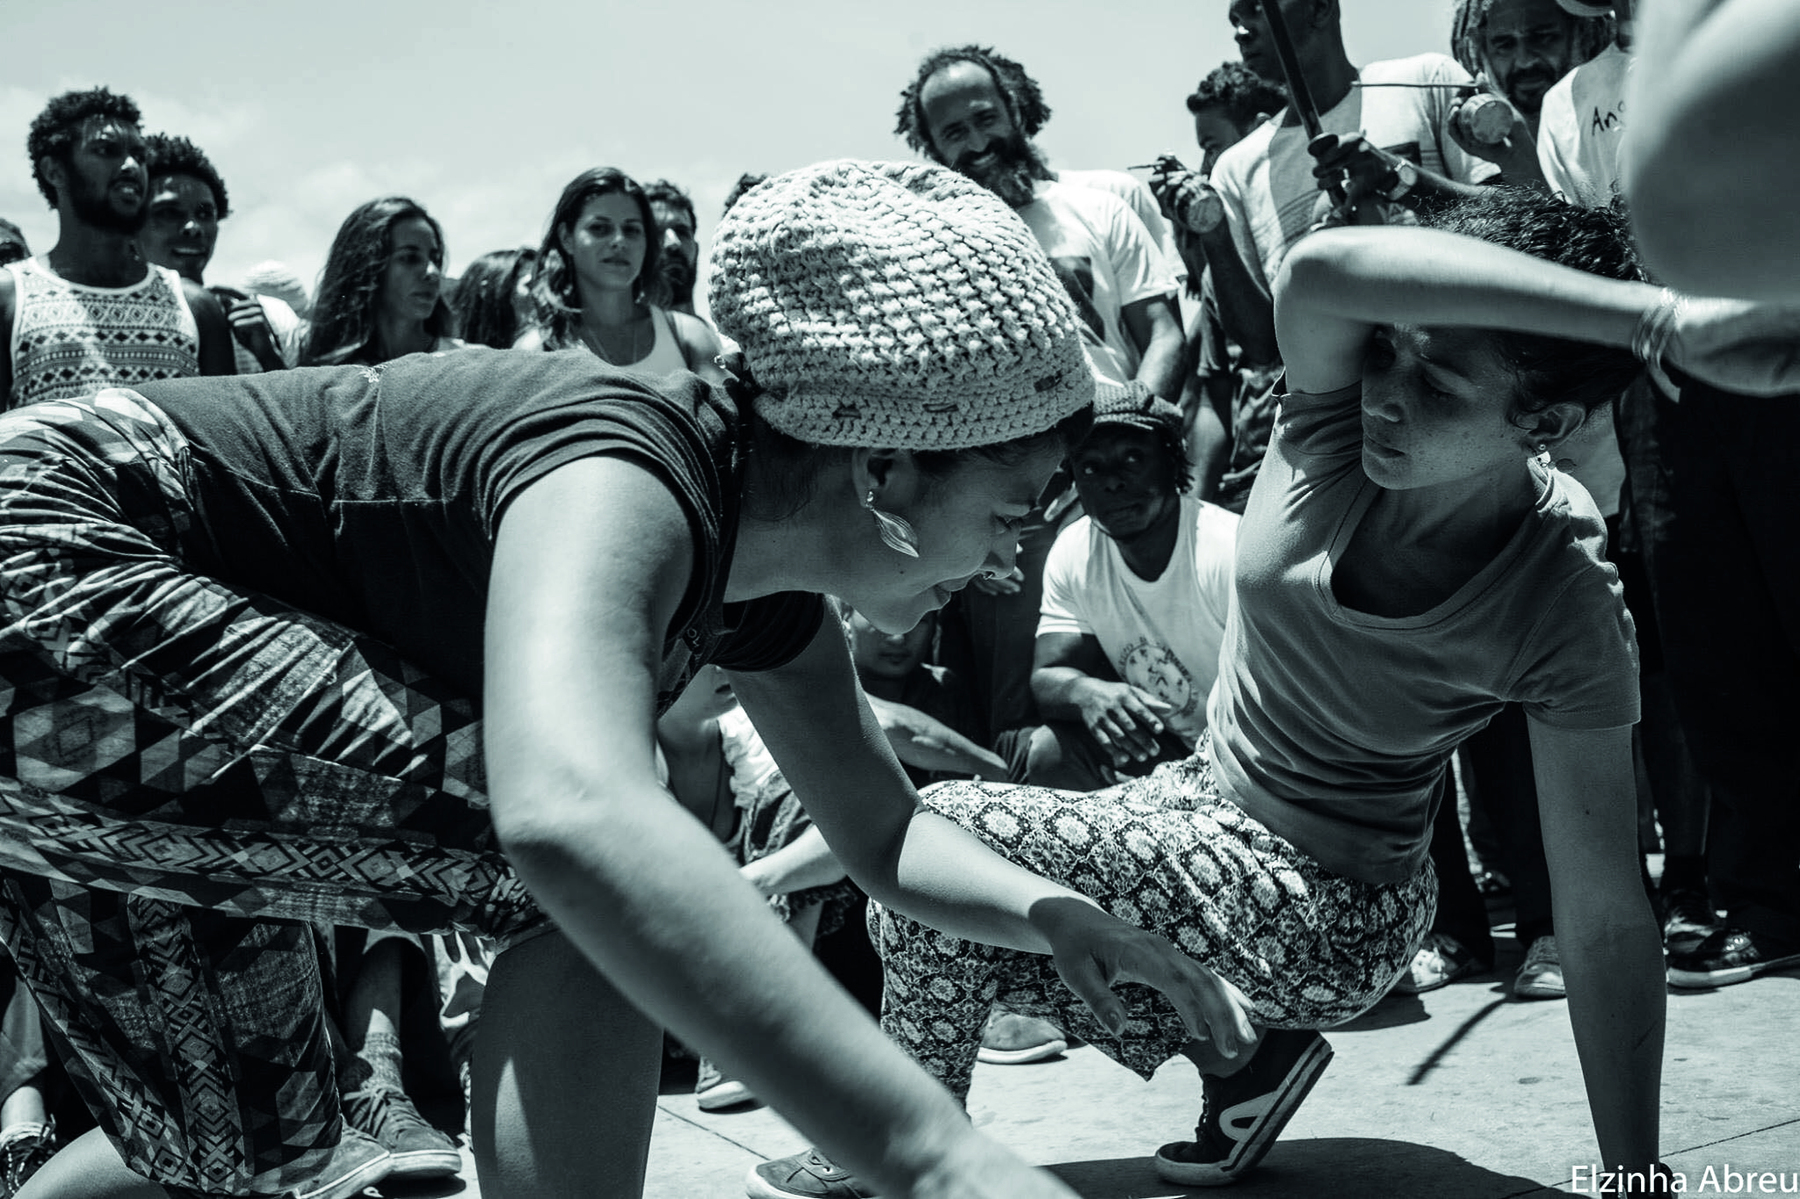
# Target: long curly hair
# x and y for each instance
(556, 289)
(344, 305)
(1592, 34)
(52, 133)
(1024, 99)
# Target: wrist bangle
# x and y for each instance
(1655, 330)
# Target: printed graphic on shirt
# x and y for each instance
(1077, 275)
(1153, 667)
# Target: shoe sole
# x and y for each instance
(1018, 1057)
(726, 1094)
(367, 1174)
(1706, 980)
(1539, 991)
(1250, 1151)
(427, 1163)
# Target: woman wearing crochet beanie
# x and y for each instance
(385, 646)
(1410, 560)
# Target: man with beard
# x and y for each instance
(1523, 47)
(976, 110)
(187, 202)
(1134, 605)
(92, 313)
(679, 261)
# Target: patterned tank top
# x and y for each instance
(69, 339)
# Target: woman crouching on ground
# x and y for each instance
(385, 646)
(1409, 561)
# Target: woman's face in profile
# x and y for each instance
(967, 522)
(606, 244)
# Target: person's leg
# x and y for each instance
(564, 1078)
(1728, 593)
(384, 980)
(1460, 943)
(89, 1167)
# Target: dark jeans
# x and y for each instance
(1725, 564)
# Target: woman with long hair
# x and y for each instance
(382, 292)
(387, 649)
(492, 300)
(1411, 560)
(598, 285)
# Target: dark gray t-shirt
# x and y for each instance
(1331, 726)
(371, 496)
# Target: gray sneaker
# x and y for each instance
(418, 1149)
(358, 1161)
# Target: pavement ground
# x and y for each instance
(1463, 1092)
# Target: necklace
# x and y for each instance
(593, 338)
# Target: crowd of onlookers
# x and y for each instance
(1093, 661)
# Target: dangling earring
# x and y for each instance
(895, 532)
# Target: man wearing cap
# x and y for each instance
(1521, 48)
(1135, 594)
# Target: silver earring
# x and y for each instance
(895, 532)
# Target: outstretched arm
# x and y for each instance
(589, 566)
(1337, 285)
(1605, 934)
(1712, 158)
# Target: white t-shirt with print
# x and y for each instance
(1581, 128)
(1106, 260)
(1161, 635)
(1266, 180)
(1139, 199)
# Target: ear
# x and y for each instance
(51, 167)
(1553, 425)
(887, 472)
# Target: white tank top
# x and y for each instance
(665, 356)
(69, 339)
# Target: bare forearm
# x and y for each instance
(1393, 275)
(1057, 691)
(1617, 1002)
(648, 896)
(1160, 369)
(806, 861)
(1247, 313)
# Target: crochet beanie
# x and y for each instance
(895, 304)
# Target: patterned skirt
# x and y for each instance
(1309, 948)
(190, 775)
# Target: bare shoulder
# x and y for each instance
(699, 342)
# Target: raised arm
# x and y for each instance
(1339, 284)
(1606, 936)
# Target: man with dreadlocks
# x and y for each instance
(976, 110)
(1522, 48)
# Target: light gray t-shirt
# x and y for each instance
(1331, 726)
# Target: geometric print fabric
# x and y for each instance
(190, 775)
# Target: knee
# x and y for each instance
(1065, 757)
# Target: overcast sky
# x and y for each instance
(482, 111)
